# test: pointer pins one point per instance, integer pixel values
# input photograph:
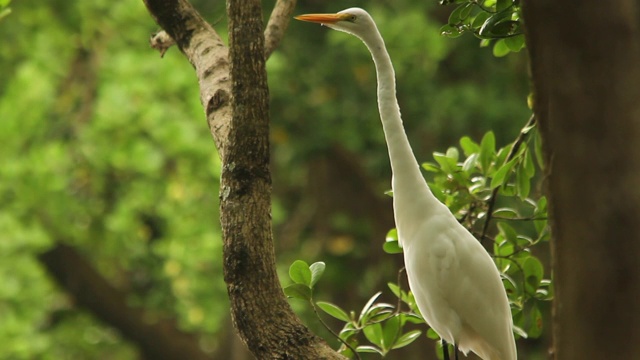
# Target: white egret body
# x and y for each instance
(455, 282)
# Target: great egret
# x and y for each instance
(455, 282)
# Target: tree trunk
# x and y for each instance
(585, 61)
(259, 308)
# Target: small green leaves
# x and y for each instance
(497, 21)
(334, 311)
(487, 150)
(391, 244)
(304, 277)
(501, 174)
(298, 291)
(300, 273)
(466, 179)
(317, 269)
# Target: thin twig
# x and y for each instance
(315, 311)
(512, 153)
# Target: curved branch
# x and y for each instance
(91, 291)
(277, 25)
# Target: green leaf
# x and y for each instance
(515, 43)
(460, 13)
(453, 154)
(395, 289)
(298, 291)
(508, 232)
(501, 175)
(529, 167)
(334, 310)
(540, 211)
(487, 150)
(391, 244)
(507, 213)
(369, 349)
(470, 163)
(447, 164)
(535, 327)
(392, 247)
(300, 273)
(392, 235)
(368, 305)
(534, 271)
(480, 19)
(432, 334)
(450, 31)
(487, 27)
(469, 146)
(317, 269)
(374, 334)
(431, 167)
(503, 4)
(407, 338)
(523, 183)
(500, 48)
(390, 332)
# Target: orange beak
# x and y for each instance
(322, 18)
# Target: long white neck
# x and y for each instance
(410, 191)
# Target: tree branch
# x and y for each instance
(277, 25)
(160, 340)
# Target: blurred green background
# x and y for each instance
(104, 147)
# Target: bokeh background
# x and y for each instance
(104, 147)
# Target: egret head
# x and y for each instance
(354, 21)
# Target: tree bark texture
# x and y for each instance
(259, 309)
(585, 62)
(235, 95)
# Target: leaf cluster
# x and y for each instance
(378, 328)
(470, 180)
(497, 20)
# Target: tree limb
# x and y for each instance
(277, 25)
(92, 292)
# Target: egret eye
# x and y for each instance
(352, 18)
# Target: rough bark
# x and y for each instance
(259, 308)
(235, 95)
(585, 61)
(90, 291)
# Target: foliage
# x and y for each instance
(97, 156)
(498, 20)
(4, 8)
(489, 191)
(379, 323)
(105, 147)
(469, 186)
